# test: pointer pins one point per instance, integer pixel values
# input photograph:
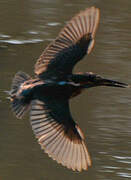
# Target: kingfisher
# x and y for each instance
(47, 95)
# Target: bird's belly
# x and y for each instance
(57, 91)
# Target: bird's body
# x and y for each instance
(62, 88)
(47, 96)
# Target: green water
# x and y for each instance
(104, 114)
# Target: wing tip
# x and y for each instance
(72, 32)
(71, 153)
(69, 165)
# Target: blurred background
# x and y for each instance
(103, 113)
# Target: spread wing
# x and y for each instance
(73, 42)
(58, 134)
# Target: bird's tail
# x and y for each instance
(19, 104)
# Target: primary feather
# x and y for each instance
(74, 41)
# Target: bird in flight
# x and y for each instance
(47, 96)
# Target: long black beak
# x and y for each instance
(92, 80)
(108, 82)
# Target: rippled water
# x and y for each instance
(103, 113)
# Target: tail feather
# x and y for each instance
(19, 108)
(19, 78)
(18, 104)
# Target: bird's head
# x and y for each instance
(90, 79)
(97, 80)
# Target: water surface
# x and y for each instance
(104, 114)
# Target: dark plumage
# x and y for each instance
(47, 96)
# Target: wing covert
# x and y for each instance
(74, 41)
(58, 134)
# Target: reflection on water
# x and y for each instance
(16, 41)
(103, 113)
